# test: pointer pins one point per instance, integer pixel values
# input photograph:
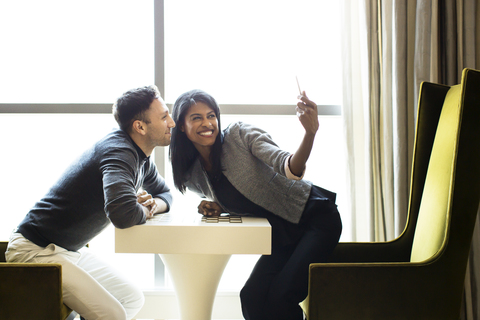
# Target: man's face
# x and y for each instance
(158, 130)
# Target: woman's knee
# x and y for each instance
(247, 294)
(329, 223)
(336, 225)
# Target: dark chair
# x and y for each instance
(30, 290)
(421, 274)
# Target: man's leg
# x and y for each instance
(124, 291)
(81, 291)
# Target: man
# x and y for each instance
(114, 181)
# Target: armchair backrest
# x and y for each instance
(430, 232)
(451, 192)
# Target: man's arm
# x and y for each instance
(121, 205)
(155, 185)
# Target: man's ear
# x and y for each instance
(139, 127)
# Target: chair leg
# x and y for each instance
(72, 316)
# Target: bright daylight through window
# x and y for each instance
(245, 53)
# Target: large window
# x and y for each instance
(249, 52)
(63, 63)
(58, 51)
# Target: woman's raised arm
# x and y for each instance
(308, 115)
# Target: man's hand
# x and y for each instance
(150, 205)
(209, 208)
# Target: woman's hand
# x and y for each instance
(209, 208)
(307, 114)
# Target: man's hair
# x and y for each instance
(132, 105)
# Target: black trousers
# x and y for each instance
(279, 282)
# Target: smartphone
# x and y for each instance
(298, 85)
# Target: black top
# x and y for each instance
(98, 188)
(283, 231)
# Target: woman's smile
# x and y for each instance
(201, 125)
(206, 133)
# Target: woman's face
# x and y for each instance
(201, 125)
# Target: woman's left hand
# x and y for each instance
(307, 114)
(209, 208)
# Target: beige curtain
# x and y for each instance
(389, 48)
(378, 111)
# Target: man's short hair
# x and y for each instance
(132, 105)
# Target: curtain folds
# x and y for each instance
(378, 114)
(388, 48)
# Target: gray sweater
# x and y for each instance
(98, 188)
(254, 165)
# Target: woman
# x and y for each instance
(242, 171)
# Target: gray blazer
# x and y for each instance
(254, 165)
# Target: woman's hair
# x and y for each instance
(182, 151)
(132, 105)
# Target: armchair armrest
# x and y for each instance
(397, 250)
(31, 291)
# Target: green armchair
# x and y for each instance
(421, 274)
(30, 290)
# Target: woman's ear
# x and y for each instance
(182, 129)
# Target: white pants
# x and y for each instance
(90, 287)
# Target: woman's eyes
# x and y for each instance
(210, 116)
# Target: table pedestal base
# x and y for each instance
(195, 279)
